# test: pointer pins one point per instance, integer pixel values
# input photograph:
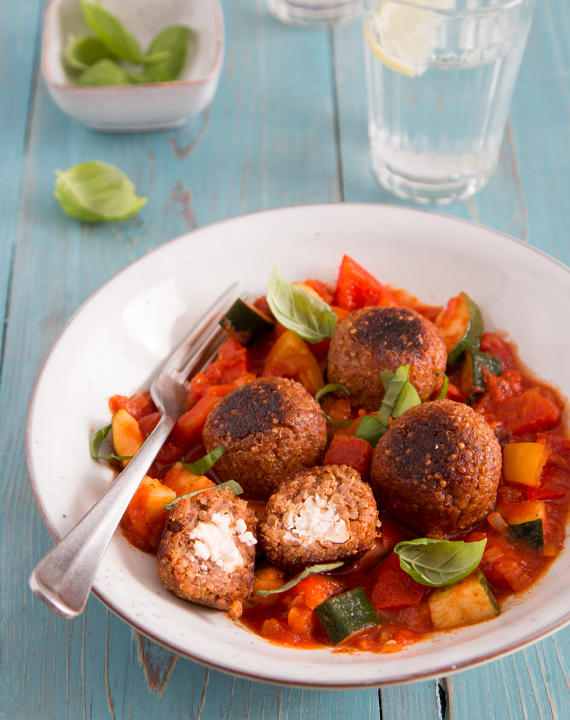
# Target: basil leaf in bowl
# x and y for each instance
(439, 562)
(299, 311)
(84, 51)
(179, 42)
(104, 73)
(97, 192)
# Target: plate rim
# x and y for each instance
(443, 669)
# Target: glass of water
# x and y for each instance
(314, 13)
(440, 76)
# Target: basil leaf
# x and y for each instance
(407, 399)
(232, 485)
(104, 73)
(84, 51)
(392, 392)
(175, 40)
(331, 387)
(201, 466)
(312, 570)
(439, 562)
(370, 429)
(113, 33)
(386, 376)
(95, 444)
(97, 192)
(299, 311)
(444, 388)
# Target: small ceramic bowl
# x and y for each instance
(139, 107)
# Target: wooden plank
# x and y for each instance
(418, 701)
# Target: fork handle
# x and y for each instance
(63, 578)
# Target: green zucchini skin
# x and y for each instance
(466, 602)
(245, 323)
(471, 373)
(347, 614)
(531, 533)
(470, 330)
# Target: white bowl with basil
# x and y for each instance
(132, 66)
(118, 338)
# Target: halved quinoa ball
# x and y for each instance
(319, 516)
(437, 468)
(270, 428)
(207, 551)
(383, 338)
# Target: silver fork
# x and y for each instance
(63, 578)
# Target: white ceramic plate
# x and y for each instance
(119, 336)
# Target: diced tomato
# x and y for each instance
(546, 493)
(148, 423)
(509, 568)
(263, 306)
(188, 429)
(230, 365)
(302, 620)
(394, 587)
(338, 409)
(494, 345)
(392, 534)
(138, 405)
(352, 451)
(290, 357)
(528, 412)
(357, 288)
(416, 618)
(406, 299)
(315, 589)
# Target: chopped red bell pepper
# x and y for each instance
(357, 288)
(394, 587)
(352, 451)
(529, 412)
(188, 429)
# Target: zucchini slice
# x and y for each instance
(245, 323)
(347, 614)
(466, 602)
(471, 373)
(526, 521)
(464, 331)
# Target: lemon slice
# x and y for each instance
(403, 36)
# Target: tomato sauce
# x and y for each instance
(517, 407)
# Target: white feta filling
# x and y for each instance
(215, 541)
(315, 520)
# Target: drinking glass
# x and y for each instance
(440, 77)
(314, 13)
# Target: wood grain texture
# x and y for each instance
(287, 126)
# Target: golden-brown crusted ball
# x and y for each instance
(437, 468)
(319, 516)
(383, 338)
(270, 428)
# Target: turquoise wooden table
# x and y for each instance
(287, 126)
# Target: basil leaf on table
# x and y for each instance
(439, 562)
(175, 40)
(306, 315)
(232, 485)
(97, 192)
(104, 73)
(84, 51)
(114, 34)
(96, 444)
(201, 466)
(312, 570)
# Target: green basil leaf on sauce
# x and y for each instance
(439, 562)
(311, 570)
(97, 192)
(95, 445)
(393, 390)
(104, 73)
(444, 388)
(84, 51)
(370, 429)
(110, 30)
(201, 466)
(177, 41)
(299, 311)
(232, 485)
(408, 398)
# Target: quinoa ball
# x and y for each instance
(207, 551)
(270, 428)
(319, 516)
(383, 338)
(437, 468)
